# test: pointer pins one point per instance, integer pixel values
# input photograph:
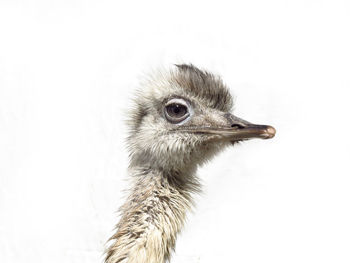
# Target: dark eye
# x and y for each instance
(176, 112)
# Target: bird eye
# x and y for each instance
(176, 112)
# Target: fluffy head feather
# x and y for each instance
(153, 141)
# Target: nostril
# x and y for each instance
(237, 126)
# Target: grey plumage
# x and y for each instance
(181, 118)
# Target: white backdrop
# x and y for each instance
(67, 71)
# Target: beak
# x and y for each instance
(238, 129)
(241, 129)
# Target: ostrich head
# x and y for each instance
(182, 118)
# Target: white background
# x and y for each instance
(67, 71)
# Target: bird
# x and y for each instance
(180, 119)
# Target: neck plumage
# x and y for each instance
(152, 216)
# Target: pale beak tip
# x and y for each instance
(270, 132)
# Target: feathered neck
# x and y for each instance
(152, 216)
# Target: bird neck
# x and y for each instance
(152, 216)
